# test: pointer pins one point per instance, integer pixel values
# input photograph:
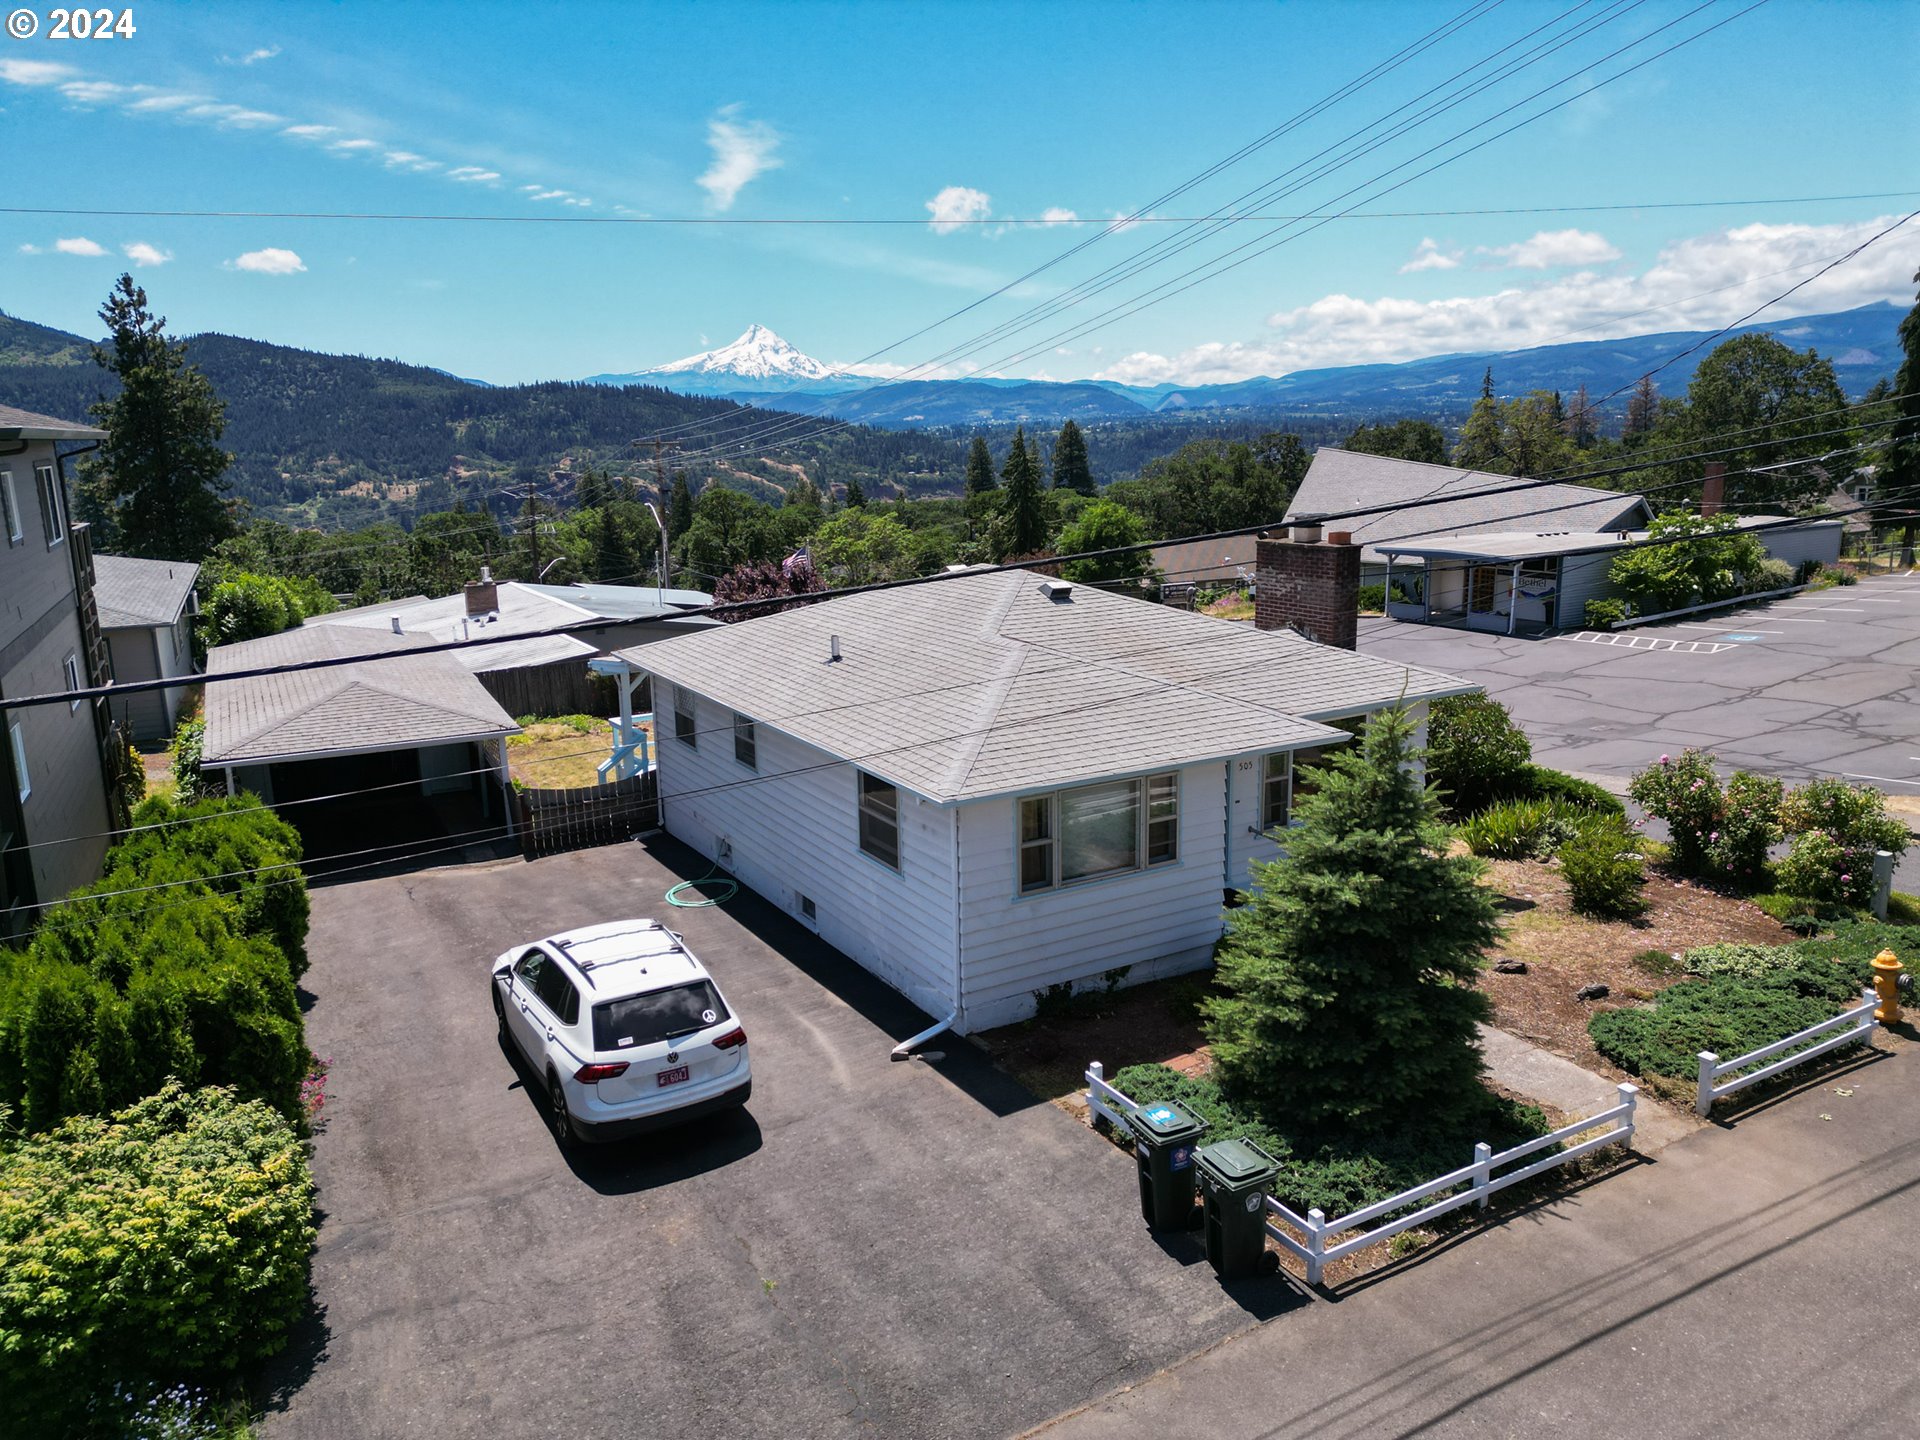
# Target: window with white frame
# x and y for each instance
(746, 742)
(683, 718)
(53, 505)
(1091, 831)
(879, 819)
(10, 507)
(72, 666)
(1276, 779)
(1288, 778)
(20, 775)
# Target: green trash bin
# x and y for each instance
(1164, 1137)
(1235, 1176)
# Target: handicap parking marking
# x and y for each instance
(1650, 643)
(1741, 638)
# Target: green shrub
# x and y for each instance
(1771, 574)
(171, 1238)
(1727, 1015)
(1373, 598)
(1475, 753)
(1340, 1176)
(1605, 614)
(1836, 827)
(1718, 832)
(189, 738)
(1844, 577)
(1543, 783)
(1521, 829)
(1604, 872)
(1741, 962)
(1662, 964)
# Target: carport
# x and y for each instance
(385, 752)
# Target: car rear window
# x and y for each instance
(646, 1019)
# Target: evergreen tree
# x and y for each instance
(592, 489)
(1486, 384)
(613, 551)
(679, 508)
(1024, 506)
(156, 482)
(1900, 463)
(980, 468)
(1581, 422)
(1071, 468)
(1348, 997)
(1643, 410)
(856, 495)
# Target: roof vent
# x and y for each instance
(833, 649)
(395, 622)
(1056, 590)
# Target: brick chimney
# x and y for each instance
(483, 596)
(1713, 493)
(1310, 584)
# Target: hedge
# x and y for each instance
(170, 1238)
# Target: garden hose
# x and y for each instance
(732, 888)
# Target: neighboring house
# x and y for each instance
(55, 797)
(1529, 581)
(146, 612)
(546, 675)
(989, 785)
(378, 753)
(1207, 562)
(1386, 490)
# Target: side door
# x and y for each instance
(530, 1035)
(556, 1006)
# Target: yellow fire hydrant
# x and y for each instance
(1886, 980)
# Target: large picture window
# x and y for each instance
(880, 819)
(1095, 830)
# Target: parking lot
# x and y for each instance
(1820, 683)
(912, 1249)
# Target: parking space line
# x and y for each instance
(1791, 620)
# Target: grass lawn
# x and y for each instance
(559, 753)
(1230, 607)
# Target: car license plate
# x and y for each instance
(672, 1077)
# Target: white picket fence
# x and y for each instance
(1316, 1245)
(1851, 1027)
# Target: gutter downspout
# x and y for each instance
(904, 1050)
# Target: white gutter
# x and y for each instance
(904, 1050)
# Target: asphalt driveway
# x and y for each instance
(875, 1248)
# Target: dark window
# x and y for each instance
(746, 747)
(526, 970)
(807, 909)
(53, 509)
(1163, 819)
(556, 992)
(1036, 842)
(880, 819)
(1273, 791)
(683, 727)
(656, 1016)
(1306, 772)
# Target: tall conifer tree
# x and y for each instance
(980, 468)
(1071, 468)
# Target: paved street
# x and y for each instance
(1753, 1280)
(910, 1249)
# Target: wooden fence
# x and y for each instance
(555, 820)
(565, 687)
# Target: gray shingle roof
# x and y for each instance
(1347, 480)
(1199, 562)
(376, 705)
(980, 685)
(27, 425)
(140, 593)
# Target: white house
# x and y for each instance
(146, 612)
(991, 784)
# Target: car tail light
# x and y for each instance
(591, 1074)
(733, 1037)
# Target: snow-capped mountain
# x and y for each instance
(759, 361)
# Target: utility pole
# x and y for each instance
(660, 448)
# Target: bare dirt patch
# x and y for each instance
(1564, 951)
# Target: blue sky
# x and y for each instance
(930, 114)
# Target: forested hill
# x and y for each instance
(342, 440)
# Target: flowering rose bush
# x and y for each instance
(1836, 827)
(1718, 831)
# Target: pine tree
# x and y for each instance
(613, 553)
(980, 468)
(1900, 464)
(1486, 384)
(1581, 419)
(1348, 997)
(1024, 505)
(1071, 468)
(679, 508)
(155, 485)
(1643, 410)
(856, 494)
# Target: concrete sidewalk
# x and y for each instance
(1549, 1079)
(1754, 1279)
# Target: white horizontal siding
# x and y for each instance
(1582, 578)
(794, 832)
(1158, 921)
(1797, 544)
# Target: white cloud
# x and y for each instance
(154, 104)
(33, 72)
(407, 160)
(270, 261)
(1429, 256)
(252, 57)
(143, 254)
(955, 206)
(742, 151)
(1552, 249)
(96, 92)
(80, 245)
(1057, 215)
(472, 174)
(31, 249)
(353, 147)
(308, 132)
(1698, 283)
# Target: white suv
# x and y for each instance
(626, 1030)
